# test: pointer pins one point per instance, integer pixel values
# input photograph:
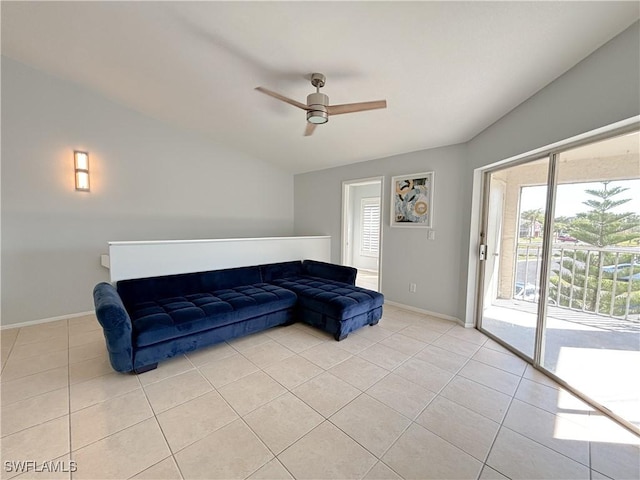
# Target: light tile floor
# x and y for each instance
(413, 397)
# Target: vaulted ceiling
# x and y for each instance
(448, 70)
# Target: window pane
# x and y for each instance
(370, 227)
(592, 333)
(515, 219)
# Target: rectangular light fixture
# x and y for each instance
(81, 166)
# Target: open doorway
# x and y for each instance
(362, 229)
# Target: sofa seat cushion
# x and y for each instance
(335, 299)
(169, 318)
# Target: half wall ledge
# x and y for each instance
(142, 259)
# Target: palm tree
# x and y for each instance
(532, 218)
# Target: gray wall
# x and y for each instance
(600, 90)
(408, 256)
(148, 181)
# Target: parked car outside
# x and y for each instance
(567, 238)
(620, 266)
(529, 293)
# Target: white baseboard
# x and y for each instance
(425, 312)
(46, 320)
(91, 312)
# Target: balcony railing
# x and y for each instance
(602, 281)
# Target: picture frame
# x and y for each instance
(412, 200)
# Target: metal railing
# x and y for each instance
(602, 281)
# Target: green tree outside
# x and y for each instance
(587, 279)
(530, 218)
(600, 226)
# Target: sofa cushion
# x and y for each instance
(276, 271)
(229, 278)
(155, 288)
(330, 271)
(150, 289)
(335, 299)
(168, 318)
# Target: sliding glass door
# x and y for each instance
(513, 248)
(592, 328)
(560, 279)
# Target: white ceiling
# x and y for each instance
(447, 69)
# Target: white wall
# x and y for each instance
(600, 90)
(148, 181)
(408, 256)
(169, 257)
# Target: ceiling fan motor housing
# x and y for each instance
(318, 103)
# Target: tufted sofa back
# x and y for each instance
(141, 290)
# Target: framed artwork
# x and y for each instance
(412, 200)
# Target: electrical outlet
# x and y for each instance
(412, 288)
(431, 235)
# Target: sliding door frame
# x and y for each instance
(552, 152)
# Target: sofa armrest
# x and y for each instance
(330, 271)
(116, 324)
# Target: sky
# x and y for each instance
(570, 197)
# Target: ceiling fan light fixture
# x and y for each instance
(317, 103)
(317, 116)
(318, 108)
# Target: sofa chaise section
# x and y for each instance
(327, 296)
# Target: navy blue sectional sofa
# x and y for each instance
(151, 319)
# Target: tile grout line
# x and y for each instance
(71, 474)
(325, 419)
(4, 364)
(590, 466)
(532, 439)
(500, 426)
(39, 372)
(195, 367)
(155, 417)
(411, 421)
(545, 446)
(40, 423)
(240, 417)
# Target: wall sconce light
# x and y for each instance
(81, 166)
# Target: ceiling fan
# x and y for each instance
(317, 106)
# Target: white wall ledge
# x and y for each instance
(210, 240)
(142, 259)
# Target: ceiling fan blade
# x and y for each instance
(310, 129)
(356, 107)
(283, 98)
